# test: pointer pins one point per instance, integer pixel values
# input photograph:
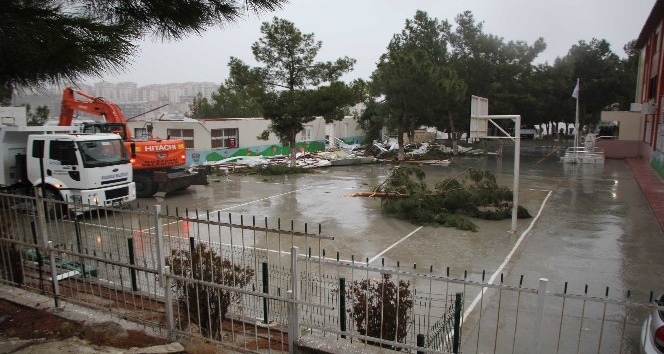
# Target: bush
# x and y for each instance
(473, 193)
(207, 306)
(380, 309)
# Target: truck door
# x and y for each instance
(62, 163)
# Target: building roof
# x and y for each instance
(651, 23)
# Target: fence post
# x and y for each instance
(40, 260)
(420, 343)
(77, 229)
(293, 307)
(266, 290)
(132, 261)
(50, 250)
(539, 315)
(166, 284)
(342, 306)
(163, 272)
(456, 335)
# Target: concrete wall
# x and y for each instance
(631, 123)
(629, 142)
(620, 149)
(248, 129)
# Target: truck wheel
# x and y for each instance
(53, 205)
(145, 186)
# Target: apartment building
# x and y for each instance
(132, 99)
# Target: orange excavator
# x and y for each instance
(158, 164)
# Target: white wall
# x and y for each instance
(249, 129)
(631, 124)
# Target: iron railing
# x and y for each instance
(265, 294)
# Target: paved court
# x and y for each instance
(592, 224)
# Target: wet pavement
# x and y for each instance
(594, 226)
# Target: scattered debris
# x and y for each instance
(428, 153)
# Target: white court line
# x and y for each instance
(237, 205)
(394, 244)
(472, 305)
(258, 200)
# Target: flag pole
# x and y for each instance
(576, 123)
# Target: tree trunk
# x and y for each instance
(401, 156)
(293, 150)
(453, 134)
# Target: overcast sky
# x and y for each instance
(361, 29)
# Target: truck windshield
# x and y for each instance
(98, 153)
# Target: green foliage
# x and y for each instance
(474, 193)
(495, 69)
(289, 57)
(380, 308)
(602, 80)
(54, 41)
(207, 306)
(264, 135)
(238, 97)
(414, 77)
(290, 86)
(371, 120)
(39, 117)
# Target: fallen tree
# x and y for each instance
(406, 194)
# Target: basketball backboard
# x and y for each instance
(479, 107)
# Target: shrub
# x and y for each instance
(381, 309)
(207, 306)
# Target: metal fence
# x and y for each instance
(244, 282)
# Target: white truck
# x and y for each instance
(89, 169)
(528, 132)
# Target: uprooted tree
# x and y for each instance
(473, 193)
(206, 305)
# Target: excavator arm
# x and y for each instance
(96, 106)
(157, 163)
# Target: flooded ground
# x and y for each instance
(592, 224)
(592, 232)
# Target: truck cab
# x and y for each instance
(91, 169)
(88, 169)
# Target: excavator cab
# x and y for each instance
(115, 128)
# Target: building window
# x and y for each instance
(185, 134)
(306, 132)
(225, 138)
(140, 133)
